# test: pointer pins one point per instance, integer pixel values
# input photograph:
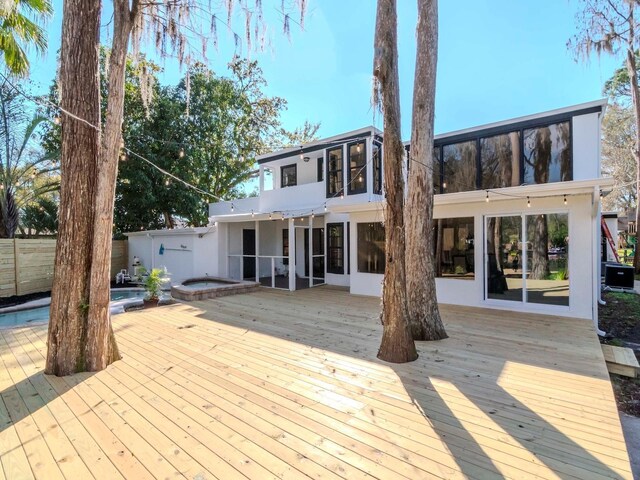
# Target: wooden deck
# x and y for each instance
(286, 385)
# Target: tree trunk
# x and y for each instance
(635, 98)
(422, 305)
(102, 349)
(540, 249)
(80, 95)
(397, 345)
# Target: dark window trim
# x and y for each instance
(374, 224)
(313, 148)
(348, 248)
(377, 188)
(329, 227)
(503, 130)
(285, 245)
(362, 170)
(320, 169)
(326, 168)
(295, 166)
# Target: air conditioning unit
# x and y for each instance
(619, 276)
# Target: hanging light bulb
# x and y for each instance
(166, 182)
(565, 199)
(325, 207)
(487, 198)
(232, 208)
(56, 120)
(123, 156)
(444, 184)
(282, 217)
(252, 214)
(313, 215)
(1, 187)
(358, 148)
(528, 203)
(341, 195)
(601, 195)
(301, 153)
(181, 153)
(270, 216)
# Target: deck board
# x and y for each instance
(275, 384)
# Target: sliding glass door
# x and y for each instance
(527, 258)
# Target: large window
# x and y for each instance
(371, 248)
(500, 160)
(547, 153)
(335, 248)
(357, 168)
(376, 156)
(288, 175)
(454, 247)
(334, 172)
(459, 167)
(320, 169)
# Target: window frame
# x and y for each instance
(285, 246)
(519, 127)
(329, 228)
(329, 172)
(377, 167)
(358, 249)
(361, 169)
(437, 265)
(320, 169)
(282, 169)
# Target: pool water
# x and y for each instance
(41, 314)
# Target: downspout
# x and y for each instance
(596, 264)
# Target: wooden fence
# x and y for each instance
(26, 266)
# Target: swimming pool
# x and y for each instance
(120, 299)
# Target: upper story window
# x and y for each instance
(288, 175)
(334, 172)
(437, 171)
(460, 167)
(357, 168)
(376, 160)
(320, 169)
(547, 153)
(500, 160)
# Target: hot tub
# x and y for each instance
(211, 287)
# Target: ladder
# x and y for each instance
(607, 234)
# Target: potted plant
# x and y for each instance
(153, 282)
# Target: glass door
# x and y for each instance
(527, 258)
(504, 277)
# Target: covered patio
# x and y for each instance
(279, 384)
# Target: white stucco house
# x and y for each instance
(517, 217)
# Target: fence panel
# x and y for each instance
(26, 265)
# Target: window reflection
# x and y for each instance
(547, 154)
(504, 258)
(371, 248)
(437, 171)
(357, 168)
(547, 259)
(500, 160)
(459, 167)
(454, 246)
(334, 172)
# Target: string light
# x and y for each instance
(444, 184)
(123, 156)
(56, 120)
(181, 153)
(232, 208)
(313, 214)
(301, 153)
(252, 214)
(565, 199)
(487, 198)
(528, 203)
(325, 206)
(166, 182)
(341, 195)
(270, 217)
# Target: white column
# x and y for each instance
(257, 251)
(292, 255)
(310, 252)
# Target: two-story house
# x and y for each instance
(516, 215)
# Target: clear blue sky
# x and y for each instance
(498, 59)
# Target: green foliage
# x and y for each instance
(26, 174)
(19, 32)
(618, 86)
(41, 216)
(219, 124)
(153, 282)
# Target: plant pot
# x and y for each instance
(150, 303)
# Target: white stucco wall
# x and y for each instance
(471, 292)
(586, 146)
(186, 254)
